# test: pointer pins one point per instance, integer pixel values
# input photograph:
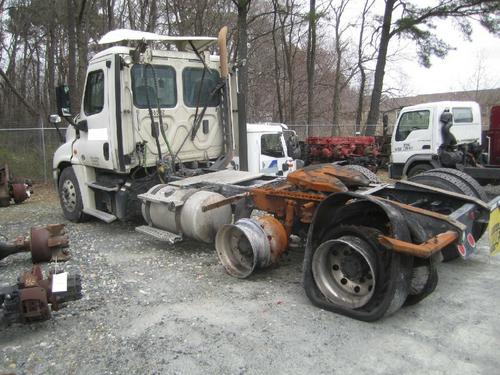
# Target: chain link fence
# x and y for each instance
(29, 150)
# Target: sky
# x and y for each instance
(458, 71)
(472, 64)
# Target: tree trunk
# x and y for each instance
(277, 70)
(378, 80)
(243, 6)
(361, 68)
(311, 57)
(51, 69)
(72, 69)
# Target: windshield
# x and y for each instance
(270, 145)
(191, 83)
(147, 79)
(410, 121)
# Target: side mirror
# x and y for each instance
(55, 119)
(63, 101)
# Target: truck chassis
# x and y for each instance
(369, 248)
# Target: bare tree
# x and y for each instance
(362, 59)
(417, 23)
(311, 57)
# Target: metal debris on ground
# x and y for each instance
(12, 189)
(33, 297)
(44, 243)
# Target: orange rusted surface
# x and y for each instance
(316, 179)
(275, 201)
(276, 234)
(327, 178)
(423, 250)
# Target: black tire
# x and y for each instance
(70, 196)
(451, 183)
(423, 282)
(391, 274)
(417, 169)
(366, 172)
(479, 191)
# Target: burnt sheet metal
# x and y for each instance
(33, 298)
(45, 244)
(327, 178)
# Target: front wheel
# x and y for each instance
(70, 196)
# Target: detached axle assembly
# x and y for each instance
(44, 243)
(33, 298)
(12, 189)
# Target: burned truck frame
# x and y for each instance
(370, 247)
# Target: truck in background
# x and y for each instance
(445, 134)
(269, 149)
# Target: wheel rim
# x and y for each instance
(344, 270)
(68, 195)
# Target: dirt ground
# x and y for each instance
(149, 308)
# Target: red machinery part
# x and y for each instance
(338, 148)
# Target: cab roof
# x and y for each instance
(183, 43)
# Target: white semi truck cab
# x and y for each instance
(151, 115)
(435, 135)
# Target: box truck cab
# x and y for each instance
(417, 137)
(268, 151)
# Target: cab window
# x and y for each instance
(410, 121)
(198, 85)
(93, 101)
(462, 115)
(270, 145)
(152, 84)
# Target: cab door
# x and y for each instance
(93, 147)
(413, 135)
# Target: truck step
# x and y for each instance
(159, 234)
(104, 216)
(103, 186)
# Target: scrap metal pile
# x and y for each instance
(33, 297)
(12, 189)
(44, 243)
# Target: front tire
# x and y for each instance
(70, 196)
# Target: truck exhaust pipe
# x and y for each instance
(225, 104)
(250, 244)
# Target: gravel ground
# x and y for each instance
(150, 308)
